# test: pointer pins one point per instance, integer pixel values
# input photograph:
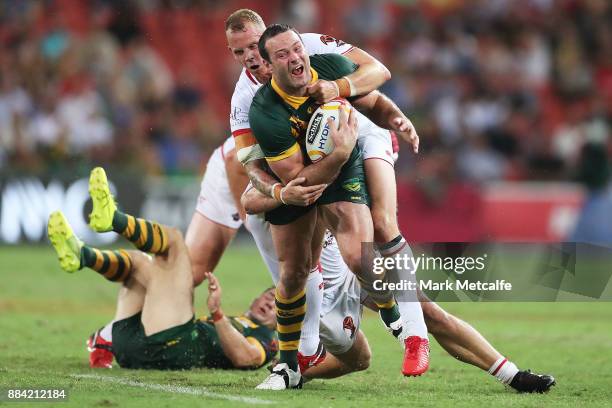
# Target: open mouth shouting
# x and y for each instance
(298, 71)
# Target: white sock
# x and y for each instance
(504, 370)
(107, 331)
(412, 317)
(309, 339)
(407, 302)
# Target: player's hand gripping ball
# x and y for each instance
(318, 136)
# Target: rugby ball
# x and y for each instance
(318, 137)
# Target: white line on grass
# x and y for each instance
(174, 389)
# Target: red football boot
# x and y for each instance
(305, 362)
(100, 351)
(416, 356)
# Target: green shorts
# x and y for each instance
(350, 185)
(286, 214)
(192, 344)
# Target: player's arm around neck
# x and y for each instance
(369, 75)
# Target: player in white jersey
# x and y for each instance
(342, 308)
(243, 29)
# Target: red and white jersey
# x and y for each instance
(247, 86)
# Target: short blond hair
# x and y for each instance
(237, 20)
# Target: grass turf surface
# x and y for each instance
(46, 316)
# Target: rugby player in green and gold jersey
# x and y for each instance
(154, 326)
(278, 117)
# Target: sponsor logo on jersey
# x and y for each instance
(353, 185)
(235, 117)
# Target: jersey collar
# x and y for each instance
(251, 77)
(294, 101)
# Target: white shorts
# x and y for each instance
(341, 307)
(216, 201)
(375, 142)
(341, 315)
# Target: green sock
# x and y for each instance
(115, 266)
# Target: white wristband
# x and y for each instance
(337, 88)
(281, 195)
(351, 86)
(272, 190)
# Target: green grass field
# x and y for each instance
(46, 315)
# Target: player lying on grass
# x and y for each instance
(342, 300)
(154, 326)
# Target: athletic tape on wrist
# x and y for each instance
(275, 191)
(217, 315)
(337, 88)
(353, 89)
(344, 87)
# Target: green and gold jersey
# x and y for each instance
(262, 337)
(189, 345)
(279, 120)
(279, 123)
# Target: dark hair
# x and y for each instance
(237, 20)
(272, 31)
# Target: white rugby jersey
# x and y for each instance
(247, 86)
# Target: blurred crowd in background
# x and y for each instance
(498, 89)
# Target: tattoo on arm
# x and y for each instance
(260, 179)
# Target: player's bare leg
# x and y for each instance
(357, 358)
(206, 241)
(309, 352)
(351, 225)
(168, 272)
(169, 288)
(380, 178)
(292, 243)
(465, 343)
(129, 302)
(118, 266)
(130, 299)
